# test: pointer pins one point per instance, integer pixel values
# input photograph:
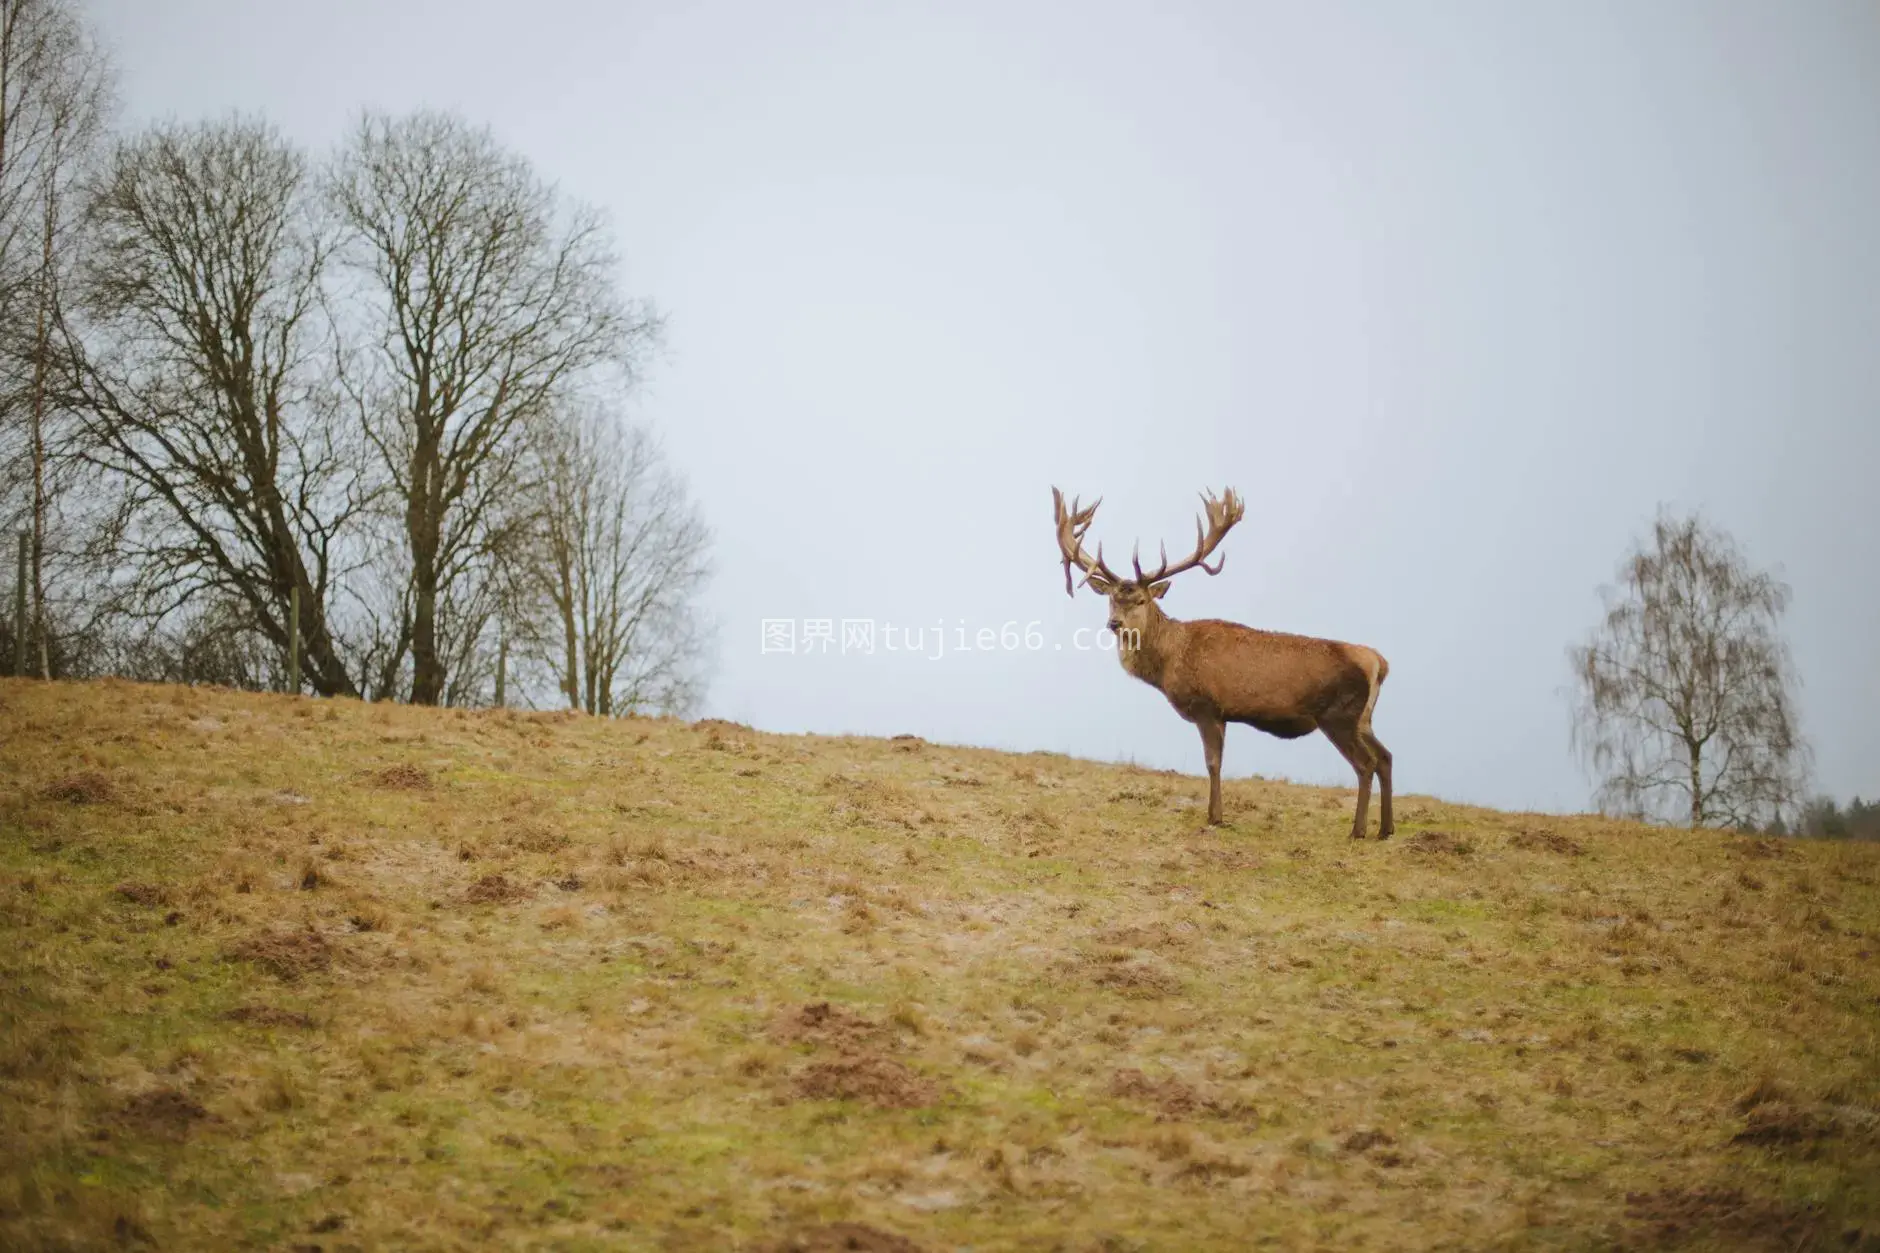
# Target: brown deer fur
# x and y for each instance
(1216, 672)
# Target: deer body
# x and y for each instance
(1216, 672)
(1284, 685)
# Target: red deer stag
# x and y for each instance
(1216, 672)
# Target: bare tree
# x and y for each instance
(487, 297)
(1684, 704)
(196, 361)
(54, 98)
(620, 560)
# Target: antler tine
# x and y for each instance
(1216, 512)
(1071, 525)
(1134, 560)
(1221, 515)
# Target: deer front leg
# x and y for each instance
(1213, 736)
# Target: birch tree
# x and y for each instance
(1685, 692)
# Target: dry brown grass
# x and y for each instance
(550, 982)
(287, 955)
(403, 778)
(496, 889)
(88, 787)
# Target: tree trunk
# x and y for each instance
(325, 671)
(610, 652)
(570, 641)
(290, 582)
(424, 528)
(1697, 786)
(427, 668)
(39, 433)
(306, 610)
(19, 610)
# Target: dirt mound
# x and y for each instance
(725, 737)
(163, 1113)
(1229, 859)
(1773, 850)
(878, 1081)
(1778, 1122)
(143, 893)
(1677, 1217)
(1451, 843)
(533, 837)
(402, 779)
(1173, 1097)
(85, 788)
(1799, 1126)
(287, 955)
(1377, 1145)
(268, 1016)
(1140, 977)
(824, 1024)
(843, 1238)
(495, 889)
(1155, 936)
(1365, 1139)
(723, 726)
(1546, 840)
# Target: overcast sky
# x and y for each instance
(1455, 295)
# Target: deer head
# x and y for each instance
(1132, 601)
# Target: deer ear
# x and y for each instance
(1159, 588)
(1100, 585)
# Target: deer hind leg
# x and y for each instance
(1351, 743)
(1213, 736)
(1381, 755)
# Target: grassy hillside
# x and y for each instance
(294, 974)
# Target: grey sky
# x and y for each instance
(1455, 294)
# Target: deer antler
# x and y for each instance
(1222, 514)
(1071, 525)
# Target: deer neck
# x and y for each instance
(1151, 647)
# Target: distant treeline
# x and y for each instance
(1822, 819)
